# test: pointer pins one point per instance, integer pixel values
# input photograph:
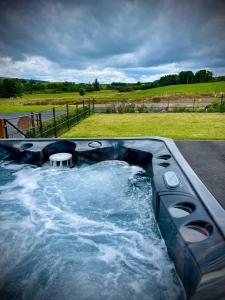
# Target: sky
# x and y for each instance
(114, 41)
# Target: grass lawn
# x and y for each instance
(105, 96)
(173, 125)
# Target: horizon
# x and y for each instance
(119, 82)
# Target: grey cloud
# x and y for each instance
(114, 34)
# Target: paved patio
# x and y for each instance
(207, 159)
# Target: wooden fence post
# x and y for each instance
(93, 105)
(89, 107)
(168, 105)
(194, 105)
(54, 122)
(3, 129)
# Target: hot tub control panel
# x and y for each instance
(171, 179)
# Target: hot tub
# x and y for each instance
(129, 220)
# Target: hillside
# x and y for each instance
(211, 89)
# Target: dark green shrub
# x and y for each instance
(82, 92)
(109, 110)
(215, 106)
(121, 109)
(130, 108)
(199, 109)
(142, 109)
(180, 109)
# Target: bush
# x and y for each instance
(130, 108)
(108, 110)
(142, 109)
(121, 109)
(182, 109)
(125, 89)
(82, 92)
(215, 106)
(199, 109)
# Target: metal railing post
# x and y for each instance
(40, 125)
(222, 103)
(67, 115)
(54, 122)
(83, 111)
(77, 112)
(33, 124)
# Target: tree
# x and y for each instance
(186, 77)
(82, 91)
(96, 85)
(168, 79)
(10, 88)
(203, 76)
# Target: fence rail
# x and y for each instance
(48, 123)
(169, 105)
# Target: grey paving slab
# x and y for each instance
(207, 159)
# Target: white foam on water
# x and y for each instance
(82, 233)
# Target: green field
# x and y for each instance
(23, 108)
(105, 96)
(173, 125)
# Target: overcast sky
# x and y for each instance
(112, 40)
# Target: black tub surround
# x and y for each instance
(191, 220)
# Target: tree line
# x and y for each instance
(184, 77)
(12, 87)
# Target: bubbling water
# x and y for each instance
(81, 233)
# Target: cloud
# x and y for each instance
(101, 37)
(37, 67)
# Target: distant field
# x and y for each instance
(4, 109)
(105, 96)
(173, 125)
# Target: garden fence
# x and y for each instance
(48, 123)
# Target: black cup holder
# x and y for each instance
(95, 144)
(196, 231)
(164, 156)
(25, 146)
(182, 209)
(164, 165)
